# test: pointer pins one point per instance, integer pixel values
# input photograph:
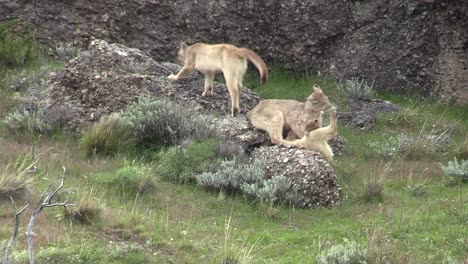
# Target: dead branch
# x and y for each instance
(44, 202)
(15, 230)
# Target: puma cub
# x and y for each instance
(316, 140)
(211, 59)
(289, 117)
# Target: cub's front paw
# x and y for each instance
(172, 77)
(333, 110)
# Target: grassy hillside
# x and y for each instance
(132, 206)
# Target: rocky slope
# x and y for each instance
(401, 44)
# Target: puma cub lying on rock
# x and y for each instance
(289, 117)
(225, 58)
(316, 140)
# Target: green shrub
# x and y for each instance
(111, 135)
(87, 208)
(182, 164)
(134, 179)
(17, 47)
(22, 122)
(456, 172)
(158, 123)
(356, 88)
(416, 190)
(387, 148)
(373, 191)
(347, 253)
(250, 180)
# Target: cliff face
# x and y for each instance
(419, 45)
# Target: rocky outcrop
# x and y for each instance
(401, 44)
(108, 77)
(363, 112)
(312, 176)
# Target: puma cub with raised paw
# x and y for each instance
(317, 140)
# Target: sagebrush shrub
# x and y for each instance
(181, 164)
(158, 123)
(350, 252)
(228, 150)
(249, 179)
(356, 88)
(456, 172)
(111, 135)
(28, 122)
(387, 148)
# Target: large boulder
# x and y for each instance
(312, 176)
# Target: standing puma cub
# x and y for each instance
(225, 58)
(316, 140)
(278, 117)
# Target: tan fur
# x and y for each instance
(277, 116)
(225, 58)
(316, 140)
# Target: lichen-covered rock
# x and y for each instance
(312, 176)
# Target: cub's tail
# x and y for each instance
(256, 60)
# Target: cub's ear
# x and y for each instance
(183, 45)
(316, 88)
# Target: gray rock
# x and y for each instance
(415, 45)
(312, 176)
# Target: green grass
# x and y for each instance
(182, 223)
(283, 84)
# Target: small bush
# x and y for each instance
(84, 214)
(228, 150)
(66, 51)
(356, 88)
(17, 47)
(386, 148)
(159, 123)
(24, 122)
(419, 150)
(416, 190)
(111, 135)
(14, 179)
(347, 253)
(373, 192)
(133, 179)
(456, 172)
(250, 180)
(182, 164)
(231, 175)
(87, 209)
